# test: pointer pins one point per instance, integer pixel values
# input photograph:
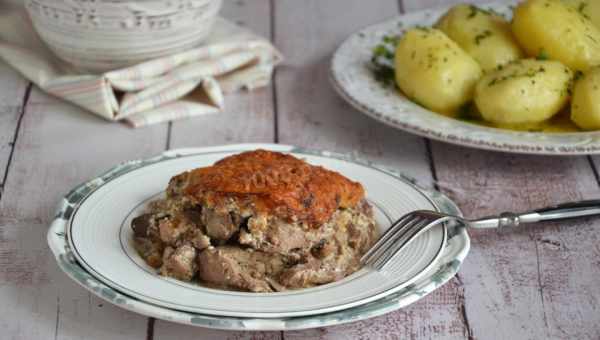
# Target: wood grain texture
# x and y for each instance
(311, 114)
(595, 163)
(12, 95)
(437, 316)
(58, 146)
(248, 116)
(168, 330)
(531, 283)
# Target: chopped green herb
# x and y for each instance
(529, 73)
(474, 10)
(542, 55)
(468, 112)
(482, 35)
(393, 40)
(494, 12)
(591, 38)
(581, 9)
(382, 60)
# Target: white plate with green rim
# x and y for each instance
(430, 262)
(355, 82)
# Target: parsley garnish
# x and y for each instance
(474, 10)
(382, 60)
(482, 35)
(542, 55)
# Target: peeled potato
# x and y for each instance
(486, 36)
(434, 71)
(550, 29)
(585, 107)
(588, 8)
(523, 92)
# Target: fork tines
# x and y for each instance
(400, 234)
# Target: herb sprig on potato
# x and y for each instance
(515, 73)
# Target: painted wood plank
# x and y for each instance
(169, 330)
(248, 117)
(12, 95)
(311, 114)
(595, 162)
(58, 146)
(531, 283)
(437, 316)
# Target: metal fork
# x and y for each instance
(413, 224)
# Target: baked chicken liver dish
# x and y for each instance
(259, 221)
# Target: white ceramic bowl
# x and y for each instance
(102, 35)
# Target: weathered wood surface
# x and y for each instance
(13, 89)
(310, 113)
(57, 147)
(529, 284)
(248, 116)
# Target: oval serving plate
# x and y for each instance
(434, 274)
(354, 81)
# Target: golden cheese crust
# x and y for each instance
(272, 183)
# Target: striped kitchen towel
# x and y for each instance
(179, 86)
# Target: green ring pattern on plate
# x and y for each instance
(457, 247)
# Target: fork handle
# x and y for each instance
(553, 213)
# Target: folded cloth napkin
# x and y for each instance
(179, 86)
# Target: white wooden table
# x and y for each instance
(536, 283)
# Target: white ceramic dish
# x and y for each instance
(106, 35)
(75, 203)
(353, 79)
(100, 236)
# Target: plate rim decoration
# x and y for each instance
(346, 77)
(457, 246)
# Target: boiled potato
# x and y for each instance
(588, 8)
(523, 92)
(585, 107)
(434, 71)
(486, 36)
(550, 29)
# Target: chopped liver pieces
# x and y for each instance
(258, 221)
(181, 263)
(237, 268)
